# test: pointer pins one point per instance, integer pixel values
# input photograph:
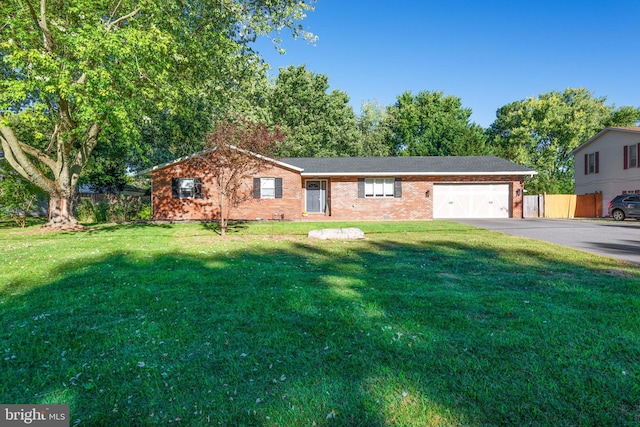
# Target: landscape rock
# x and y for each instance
(337, 233)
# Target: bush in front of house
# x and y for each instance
(17, 197)
(116, 209)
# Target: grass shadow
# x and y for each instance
(135, 225)
(431, 331)
(233, 227)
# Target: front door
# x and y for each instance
(316, 196)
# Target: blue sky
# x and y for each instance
(487, 53)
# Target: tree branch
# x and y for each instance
(47, 37)
(37, 154)
(122, 18)
(90, 142)
(53, 138)
(81, 80)
(15, 152)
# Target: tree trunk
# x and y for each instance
(61, 214)
(223, 219)
(65, 168)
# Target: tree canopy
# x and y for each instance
(541, 133)
(77, 73)
(432, 124)
(373, 122)
(319, 123)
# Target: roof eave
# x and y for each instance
(425, 173)
(599, 134)
(149, 171)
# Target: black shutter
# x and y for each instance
(197, 188)
(278, 188)
(586, 164)
(175, 188)
(256, 188)
(397, 188)
(360, 188)
(625, 157)
(597, 162)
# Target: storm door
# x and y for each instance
(316, 196)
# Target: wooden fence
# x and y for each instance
(563, 206)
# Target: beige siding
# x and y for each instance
(612, 179)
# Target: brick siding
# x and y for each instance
(165, 207)
(416, 202)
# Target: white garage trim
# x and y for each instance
(471, 201)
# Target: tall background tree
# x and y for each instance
(541, 133)
(374, 125)
(77, 73)
(432, 124)
(318, 123)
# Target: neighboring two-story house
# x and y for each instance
(609, 163)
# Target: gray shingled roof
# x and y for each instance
(454, 165)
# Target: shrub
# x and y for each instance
(122, 208)
(17, 197)
(85, 211)
(102, 211)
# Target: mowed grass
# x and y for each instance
(423, 323)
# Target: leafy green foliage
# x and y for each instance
(432, 124)
(541, 133)
(113, 209)
(318, 123)
(79, 68)
(373, 122)
(17, 195)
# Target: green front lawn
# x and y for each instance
(423, 323)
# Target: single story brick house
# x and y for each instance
(349, 188)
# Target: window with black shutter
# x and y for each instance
(397, 188)
(267, 188)
(360, 188)
(186, 188)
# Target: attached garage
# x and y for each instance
(471, 201)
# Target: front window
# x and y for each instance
(379, 187)
(187, 186)
(268, 188)
(592, 163)
(633, 156)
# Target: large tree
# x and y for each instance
(541, 132)
(86, 70)
(432, 124)
(374, 125)
(319, 123)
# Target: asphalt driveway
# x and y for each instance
(604, 237)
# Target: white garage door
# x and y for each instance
(471, 201)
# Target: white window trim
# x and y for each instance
(379, 187)
(266, 188)
(187, 191)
